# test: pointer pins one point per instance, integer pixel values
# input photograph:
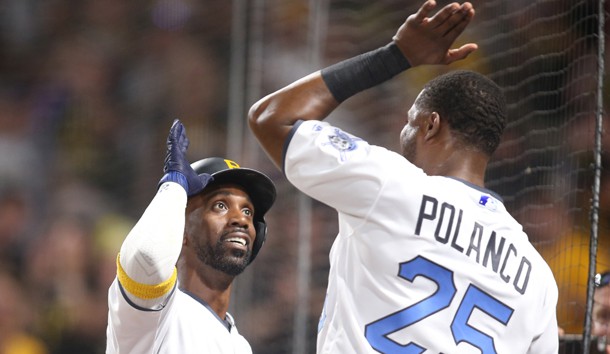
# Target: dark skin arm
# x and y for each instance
(423, 40)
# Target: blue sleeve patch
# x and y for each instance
(342, 141)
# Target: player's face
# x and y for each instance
(219, 226)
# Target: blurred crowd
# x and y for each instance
(88, 90)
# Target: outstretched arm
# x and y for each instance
(421, 40)
(146, 262)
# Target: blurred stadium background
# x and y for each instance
(88, 90)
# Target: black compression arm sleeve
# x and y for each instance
(364, 71)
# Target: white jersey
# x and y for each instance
(185, 325)
(421, 264)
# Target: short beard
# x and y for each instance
(409, 153)
(216, 257)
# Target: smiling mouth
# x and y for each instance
(237, 240)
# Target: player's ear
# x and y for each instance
(432, 125)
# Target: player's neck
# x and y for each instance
(218, 303)
(217, 297)
(466, 165)
(209, 284)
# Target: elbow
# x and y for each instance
(269, 127)
(145, 267)
(257, 116)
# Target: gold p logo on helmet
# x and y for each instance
(231, 164)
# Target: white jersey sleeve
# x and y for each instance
(423, 263)
(146, 262)
(307, 168)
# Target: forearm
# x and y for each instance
(364, 71)
(146, 264)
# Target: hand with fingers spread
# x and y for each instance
(428, 40)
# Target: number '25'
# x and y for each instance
(376, 332)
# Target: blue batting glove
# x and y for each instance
(177, 168)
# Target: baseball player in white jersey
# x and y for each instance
(176, 266)
(427, 260)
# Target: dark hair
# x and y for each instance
(473, 105)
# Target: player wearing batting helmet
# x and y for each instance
(175, 268)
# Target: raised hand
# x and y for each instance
(176, 167)
(428, 40)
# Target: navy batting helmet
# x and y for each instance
(259, 187)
